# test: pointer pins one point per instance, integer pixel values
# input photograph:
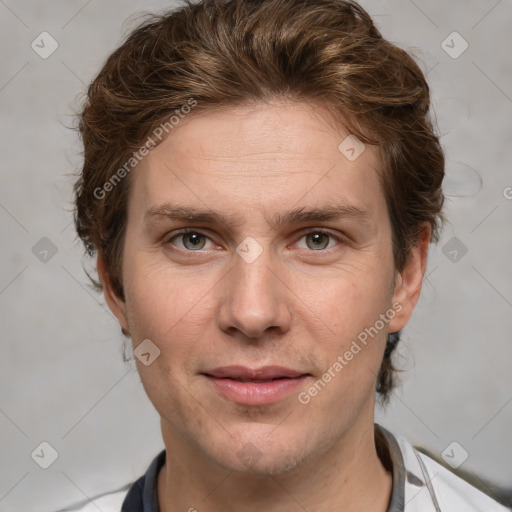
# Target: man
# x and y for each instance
(261, 182)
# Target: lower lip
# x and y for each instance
(256, 393)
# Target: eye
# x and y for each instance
(319, 240)
(191, 240)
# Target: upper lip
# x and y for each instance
(263, 373)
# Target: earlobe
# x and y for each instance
(408, 282)
(114, 302)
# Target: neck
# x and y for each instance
(348, 476)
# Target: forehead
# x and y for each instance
(265, 132)
(270, 155)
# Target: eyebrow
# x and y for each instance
(329, 212)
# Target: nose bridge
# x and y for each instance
(252, 277)
(255, 299)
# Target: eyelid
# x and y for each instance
(184, 231)
(327, 231)
(338, 237)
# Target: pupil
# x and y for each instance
(317, 239)
(193, 239)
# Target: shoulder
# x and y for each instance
(110, 502)
(452, 490)
(140, 496)
(428, 484)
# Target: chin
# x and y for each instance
(281, 466)
(258, 455)
(266, 464)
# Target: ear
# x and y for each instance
(408, 282)
(114, 302)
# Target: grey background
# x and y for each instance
(63, 380)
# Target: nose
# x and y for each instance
(255, 299)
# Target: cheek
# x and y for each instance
(174, 310)
(159, 298)
(347, 311)
(347, 303)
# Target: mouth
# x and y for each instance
(260, 386)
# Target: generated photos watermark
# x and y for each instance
(305, 397)
(156, 136)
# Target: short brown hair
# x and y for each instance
(223, 53)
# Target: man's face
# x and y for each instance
(261, 294)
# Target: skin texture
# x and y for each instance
(299, 304)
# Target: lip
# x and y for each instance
(258, 386)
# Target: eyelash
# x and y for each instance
(185, 231)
